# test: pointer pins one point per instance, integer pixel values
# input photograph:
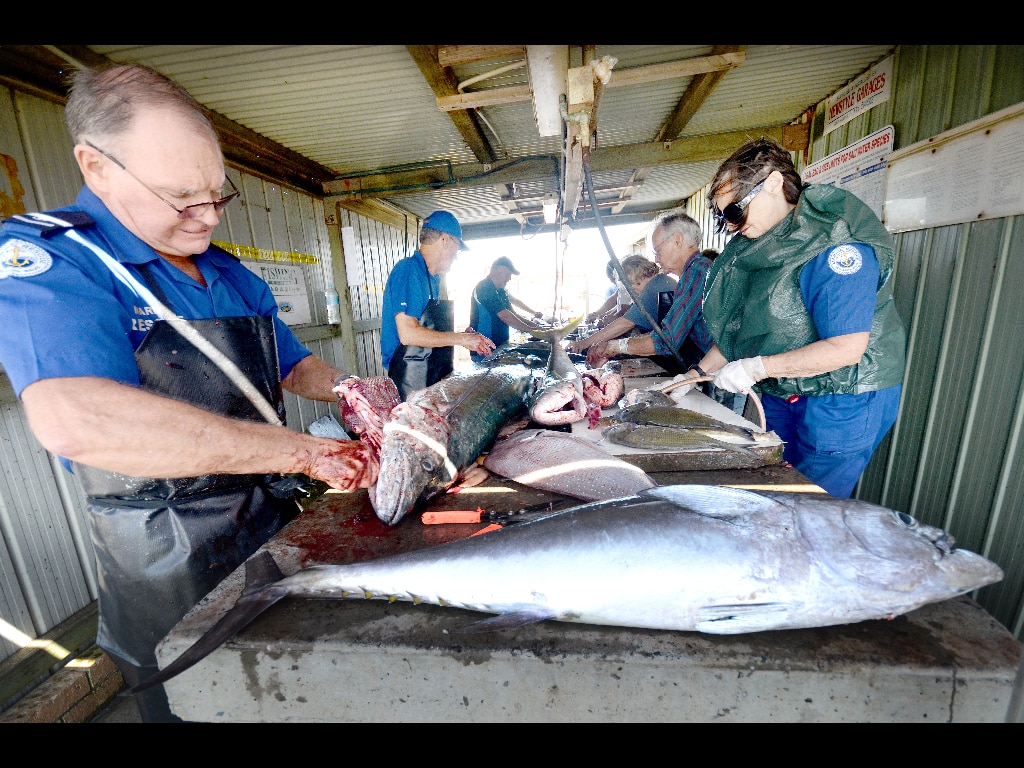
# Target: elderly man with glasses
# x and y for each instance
(675, 242)
(801, 310)
(152, 363)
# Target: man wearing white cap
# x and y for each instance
(417, 332)
(490, 308)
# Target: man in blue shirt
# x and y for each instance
(490, 307)
(153, 362)
(417, 333)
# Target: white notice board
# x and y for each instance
(288, 284)
(858, 168)
(970, 173)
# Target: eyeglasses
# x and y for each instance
(735, 213)
(656, 247)
(189, 211)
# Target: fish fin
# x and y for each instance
(510, 620)
(554, 335)
(715, 500)
(738, 618)
(261, 572)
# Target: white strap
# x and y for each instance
(181, 326)
(431, 443)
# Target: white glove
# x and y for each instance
(617, 347)
(741, 375)
(678, 392)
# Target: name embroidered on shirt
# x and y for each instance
(19, 258)
(145, 322)
(845, 260)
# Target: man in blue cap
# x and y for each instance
(417, 333)
(490, 308)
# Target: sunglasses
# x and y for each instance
(189, 211)
(735, 213)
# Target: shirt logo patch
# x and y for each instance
(19, 258)
(845, 260)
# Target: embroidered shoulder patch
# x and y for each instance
(845, 260)
(20, 258)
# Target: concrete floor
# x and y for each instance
(119, 709)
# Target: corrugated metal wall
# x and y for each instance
(954, 457)
(372, 247)
(46, 558)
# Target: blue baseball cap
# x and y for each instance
(443, 221)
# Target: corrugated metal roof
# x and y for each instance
(362, 109)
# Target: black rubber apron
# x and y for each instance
(414, 368)
(162, 544)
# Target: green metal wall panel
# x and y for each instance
(954, 458)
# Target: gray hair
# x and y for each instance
(682, 223)
(104, 102)
(428, 235)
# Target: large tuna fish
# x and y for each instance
(685, 557)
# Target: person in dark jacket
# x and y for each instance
(800, 308)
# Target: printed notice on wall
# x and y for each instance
(869, 90)
(288, 285)
(971, 173)
(858, 168)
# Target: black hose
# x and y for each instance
(655, 327)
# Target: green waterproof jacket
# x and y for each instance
(753, 305)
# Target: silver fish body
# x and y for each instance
(686, 557)
(645, 397)
(565, 464)
(674, 416)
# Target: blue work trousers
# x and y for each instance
(830, 438)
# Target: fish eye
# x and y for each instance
(427, 464)
(905, 519)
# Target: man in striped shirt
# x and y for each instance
(675, 243)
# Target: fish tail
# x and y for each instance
(554, 335)
(261, 574)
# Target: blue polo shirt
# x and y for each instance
(66, 314)
(410, 286)
(649, 297)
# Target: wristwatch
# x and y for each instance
(698, 369)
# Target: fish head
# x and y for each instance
(890, 555)
(414, 461)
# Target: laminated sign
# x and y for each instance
(288, 285)
(868, 90)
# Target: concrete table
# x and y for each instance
(372, 661)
